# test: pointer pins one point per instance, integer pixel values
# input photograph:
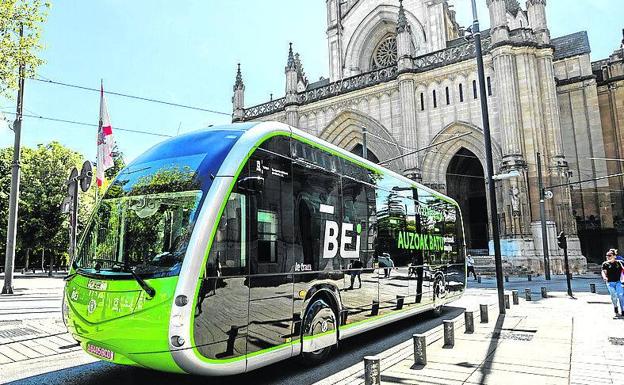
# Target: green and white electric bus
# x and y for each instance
(228, 249)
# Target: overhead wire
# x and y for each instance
(146, 99)
(89, 124)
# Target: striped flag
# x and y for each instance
(105, 141)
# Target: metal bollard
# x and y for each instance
(420, 349)
(478, 279)
(527, 294)
(372, 370)
(483, 309)
(400, 301)
(469, 321)
(449, 333)
(514, 295)
(529, 277)
(507, 304)
(592, 287)
(506, 278)
(375, 308)
(544, 293)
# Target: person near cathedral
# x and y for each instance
(612, 271)
(470, 266)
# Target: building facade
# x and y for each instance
(404, 73)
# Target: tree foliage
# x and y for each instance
(15, 50)
(41, 224)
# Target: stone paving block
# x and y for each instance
(431, 372)
(423, 379)
(514, 378)
(25, 350)
(38, 347)
(12, 354)
(529, 362)
(4, 359)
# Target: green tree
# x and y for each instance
(41, 224)
(15, 50)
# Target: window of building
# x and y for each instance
(489, 86)
(448, 96)
(461, 93)
(474, 89)
(435, 99)
(422, 101)
(385, 54)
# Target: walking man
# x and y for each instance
(470, 264)
(612, 275)
(355, 269)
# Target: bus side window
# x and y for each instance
(228, 253)
(356, 201)
(271, 214)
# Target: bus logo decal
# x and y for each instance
(331, 243)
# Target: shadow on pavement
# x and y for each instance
(292, 371)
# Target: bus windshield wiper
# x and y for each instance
(144, 285)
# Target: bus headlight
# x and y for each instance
(177, 341)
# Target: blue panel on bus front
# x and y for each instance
(186, 162)
(214, 141)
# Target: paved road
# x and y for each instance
(75, 367)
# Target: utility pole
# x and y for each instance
(498, 261)
(15, 184)
(542, 194)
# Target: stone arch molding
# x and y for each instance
(380, 22)
(437, 160)
(345, 131)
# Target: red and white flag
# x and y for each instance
(105, 141)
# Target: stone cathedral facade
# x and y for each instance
(405, 71)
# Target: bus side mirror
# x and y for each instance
(252, 184)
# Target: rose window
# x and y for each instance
(385, 54)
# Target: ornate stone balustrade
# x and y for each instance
(264, 109)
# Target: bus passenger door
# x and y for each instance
(270, 220)
(221, 310)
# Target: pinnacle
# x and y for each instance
(239, 79)
(402, 24)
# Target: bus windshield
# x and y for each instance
(146, 227)
(145, 220)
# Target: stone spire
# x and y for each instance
(238, 85)
(402, 24)
(292, 78)
(291, 65)
(238, 100)
(405, 48)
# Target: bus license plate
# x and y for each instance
(100, 352)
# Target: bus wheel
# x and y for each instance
(319, 332)
(439, 292)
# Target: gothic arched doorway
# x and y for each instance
(465, 182)
(359, 149)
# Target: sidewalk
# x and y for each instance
(557, 340)
(31, 328)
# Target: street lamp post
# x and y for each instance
(542, 196)
(489, 164)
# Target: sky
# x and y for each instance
(186, 52)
